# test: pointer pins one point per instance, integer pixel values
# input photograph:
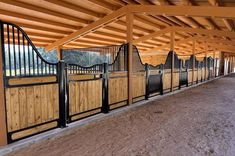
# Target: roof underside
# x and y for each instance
(47, 21)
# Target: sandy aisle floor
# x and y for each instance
(199, 121)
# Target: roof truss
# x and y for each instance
(198, 11)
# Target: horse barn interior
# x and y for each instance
(67, 61)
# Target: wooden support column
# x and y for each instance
(194, 57)
(172, 47)
(129, 22)
(3, 123)
(222, 63)
(59, 53)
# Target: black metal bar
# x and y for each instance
(9, 49)
(105, 97)
(3, 47)
(24, 55)
(18, 32)
(62, 94)
(29, 59)
(33, 61)
(180, 74)
(161, 80)
(14, 50)
(147, 82)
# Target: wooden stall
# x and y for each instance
(32, 105)
(85, 95)
(139, 86)
(118, 89)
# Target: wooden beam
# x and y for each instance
(226, 21)
(40, 20)
(228, 24)
(44, 10)
(76, 8)
(184, 29)
(3, 127)
(206, 38)
(152, 35)
(59, 53)
(191, 11)
(91, 27)
(129, 22)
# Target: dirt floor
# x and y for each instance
(199, 121)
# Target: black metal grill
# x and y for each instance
(20, 57)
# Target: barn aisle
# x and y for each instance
(198, 121)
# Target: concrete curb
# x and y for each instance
(60, 132)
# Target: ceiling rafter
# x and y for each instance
(226, 21)
(212, 24)
(44, 10)
(181, 19)
(189, 11)
(184, 29)
(197, 38)
(77, 8)
(176, 10)
(91, 27)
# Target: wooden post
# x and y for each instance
(222, 63)
(172, 47)
(59, 53)
(3, 123)
(129, 22)
(193, 61)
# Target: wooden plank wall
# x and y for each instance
(118, 87)
(167, 79)
(207, 73)
(203, 73)
(84, 96)
(190, 74)
(28, 106)
(139, 83)
(31, 105)
(176, 78)
(199, 74)
(195, 75)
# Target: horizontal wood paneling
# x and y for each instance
(83, 77)
(34, 130)
(29, 106)
(31, 80)
(84, 96)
